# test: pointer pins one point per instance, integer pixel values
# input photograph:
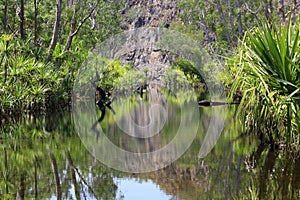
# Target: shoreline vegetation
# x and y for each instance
(268, 77)
(43, 46)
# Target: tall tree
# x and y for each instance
(239, 17)
(281, 7)
(268, 10)
(4, 18)
(56, 26)
(35, 22)
(230, 13)
(22, 19)
(74, 30)
(224, 22)
(295, 10)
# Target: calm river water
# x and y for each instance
(44, 158)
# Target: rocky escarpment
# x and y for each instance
(139, 15)
(153, 13)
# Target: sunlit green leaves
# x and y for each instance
(268, 77)
(274, 53)
(27, 82)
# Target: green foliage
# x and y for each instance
(131, 81)
(175, 79)
(111, 73)
(25, 151)
(28, 81)
(24, 80)
(201, 21)
(276, 53)
(192, 75)
(187, 29)
(268, 77)
(220, 25)
(108, 72)
(29, 78)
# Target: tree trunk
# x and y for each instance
(22, 19)
(56, 26)
(239, 18)
(4, 18)
(72, 29)
(223, 20)
(267, 10)
(73, 175)
(271, 7)
(35, 22)
(205, 28)
(231, 19)
(56, 176)
(295, 10)
(281, 9)
(5, 54)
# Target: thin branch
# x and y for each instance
(251, 11)
(84, 19)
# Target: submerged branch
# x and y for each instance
(206, 103)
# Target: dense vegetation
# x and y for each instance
(267, 72)
(260, 43)
(43, 43)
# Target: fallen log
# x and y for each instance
(207, 103)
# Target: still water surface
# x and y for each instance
(129, 188)
(44, 158)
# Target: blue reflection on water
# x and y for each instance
(131, 189)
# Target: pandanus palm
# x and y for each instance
(276, 57)
(269, 78)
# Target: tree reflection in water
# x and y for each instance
(236, 168)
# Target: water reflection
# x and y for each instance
(144, 134)
(131, 188)
(43, 158)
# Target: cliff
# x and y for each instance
(138, 16)
(151, 13)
